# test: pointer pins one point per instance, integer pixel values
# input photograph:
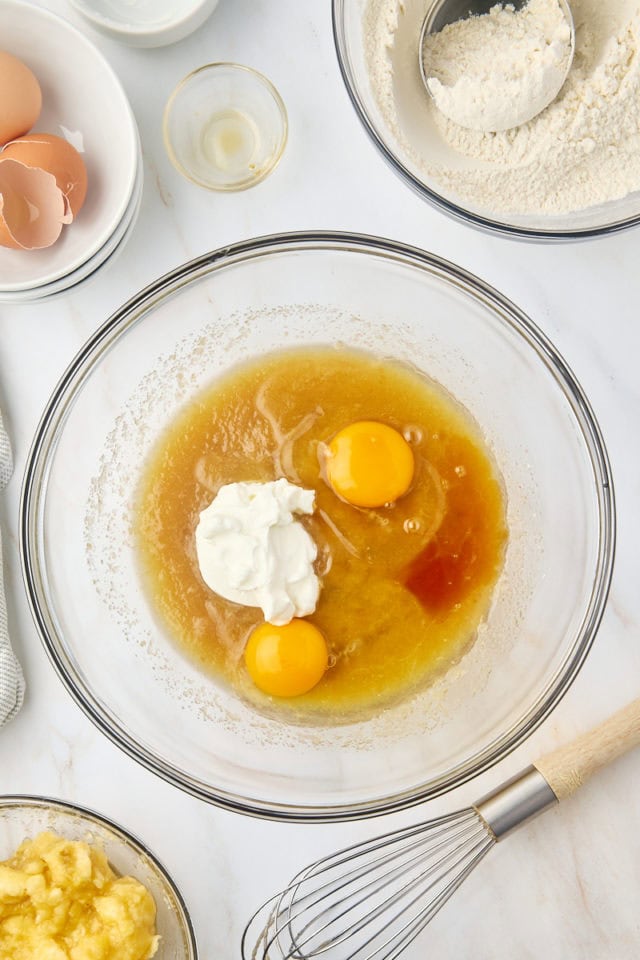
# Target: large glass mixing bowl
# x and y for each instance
(407, 136)
(140, 367)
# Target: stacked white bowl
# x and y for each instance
(84, 102)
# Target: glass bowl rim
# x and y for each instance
(83, 364)
(236, 186)
(9, 801)
(453, 210)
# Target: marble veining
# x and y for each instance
(566, 886)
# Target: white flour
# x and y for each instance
(583, 150)
(498, 70)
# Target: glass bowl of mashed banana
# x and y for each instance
(317, 526)
(572, 171)
(73, 883)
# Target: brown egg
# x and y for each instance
(56, 156)
(20, 98)
(32, 206)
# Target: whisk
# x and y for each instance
(369, 901)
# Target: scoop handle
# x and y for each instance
(567, 768)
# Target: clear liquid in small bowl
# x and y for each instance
(225, 126)
(231, 142)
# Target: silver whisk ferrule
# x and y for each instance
(523, 797)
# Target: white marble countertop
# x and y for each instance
(567, 886)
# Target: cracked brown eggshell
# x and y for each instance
(56, 156)
(32, 206)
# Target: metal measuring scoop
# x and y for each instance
(444, 12)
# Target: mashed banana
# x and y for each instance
(60, 900)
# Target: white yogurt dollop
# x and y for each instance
(253, 551)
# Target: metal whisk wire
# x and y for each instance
(368, 901)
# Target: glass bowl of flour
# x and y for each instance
(572, 171)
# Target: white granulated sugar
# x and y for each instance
(495, 71)
(583, 150)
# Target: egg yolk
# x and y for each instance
(288, 660)
(369, 464)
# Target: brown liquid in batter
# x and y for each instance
(404, 587)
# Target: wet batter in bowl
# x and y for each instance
(403, 586)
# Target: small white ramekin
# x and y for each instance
(154, 23)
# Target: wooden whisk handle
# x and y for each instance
(567, 768)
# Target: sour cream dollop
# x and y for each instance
(253, 551)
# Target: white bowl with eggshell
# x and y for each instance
(90, 268)
(152, 23)
(83, 103)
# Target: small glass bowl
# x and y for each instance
(24, 817)
(225, 127)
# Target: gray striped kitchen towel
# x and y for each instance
(11, 679)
